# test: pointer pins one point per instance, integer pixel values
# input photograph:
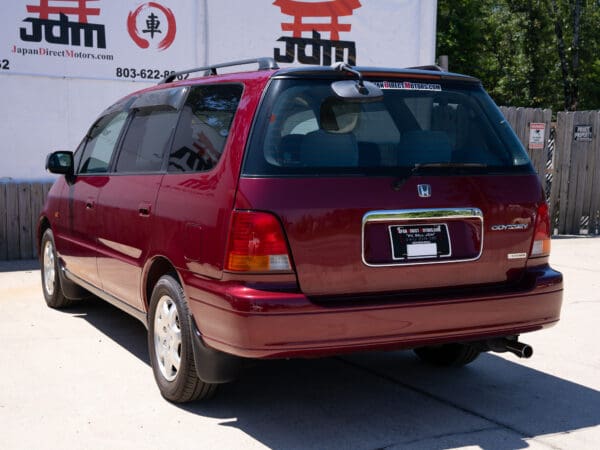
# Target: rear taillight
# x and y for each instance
(541, 235)
(256, 244)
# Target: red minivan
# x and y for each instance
(303, 212)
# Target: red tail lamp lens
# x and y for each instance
(256, 244)
(541, 237)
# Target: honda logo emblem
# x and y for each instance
(424, 190)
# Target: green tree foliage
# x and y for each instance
(541, 53)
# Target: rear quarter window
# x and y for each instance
(204, 127)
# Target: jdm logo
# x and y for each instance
(316, 18)
(152, 25)
(64, 23)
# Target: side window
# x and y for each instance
(146, 140)
(100, 143)
(203, 127)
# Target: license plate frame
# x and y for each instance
(420, 241)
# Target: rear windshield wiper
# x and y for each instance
(436, 165)
(457, 165)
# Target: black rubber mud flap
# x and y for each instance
(213, 366)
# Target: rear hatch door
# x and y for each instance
(426, 189)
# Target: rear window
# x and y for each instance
(304, 129)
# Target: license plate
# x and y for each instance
(420, 241)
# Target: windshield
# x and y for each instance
(304, 129)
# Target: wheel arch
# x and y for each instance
(212, 366)
(43, 225)
(156, 268)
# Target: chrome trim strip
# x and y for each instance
(409, 215)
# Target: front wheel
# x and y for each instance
(170, 345)
(51, 286)
(448, 355)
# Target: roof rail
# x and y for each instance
(433, 67)
(264, 63)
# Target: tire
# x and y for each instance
(170, 345)
(51, 285)
(448, 355)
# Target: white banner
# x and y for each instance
(145, 40)
(99, 39)
(384, 33)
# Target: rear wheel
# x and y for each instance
(448, 355)
(170, 345)
(51, 286)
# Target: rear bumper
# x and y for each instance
(252, 323)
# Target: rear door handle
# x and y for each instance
(144, 209)
(90, 203)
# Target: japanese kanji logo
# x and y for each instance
(316, 18)
(64, 22)
(152, 25)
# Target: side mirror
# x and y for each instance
(60, 162)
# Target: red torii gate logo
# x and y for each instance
(69, 32)
(297, 43)
(333, 9)
(81, 10)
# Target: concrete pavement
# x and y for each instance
(81, 379)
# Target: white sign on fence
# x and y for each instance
(582, 133)
(537, 133)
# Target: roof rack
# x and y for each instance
(264, 63)
(433, 67)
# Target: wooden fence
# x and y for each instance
(520, 120)
(568, 165)
(20, 206)
(576, 187)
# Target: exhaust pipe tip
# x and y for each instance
(517, 348)
(520, 349)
